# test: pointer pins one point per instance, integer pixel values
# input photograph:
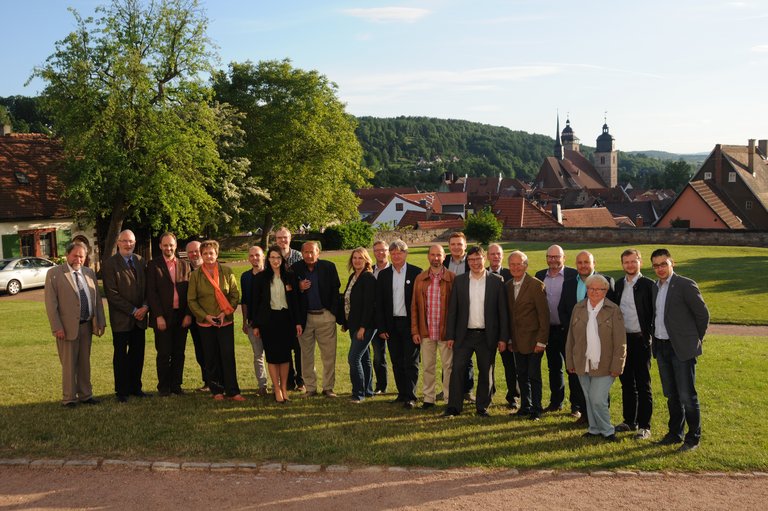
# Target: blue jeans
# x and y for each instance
(597, 391)
(360, 367)
(678, 380)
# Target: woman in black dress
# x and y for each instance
(274, 314)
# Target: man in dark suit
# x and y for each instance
(167, 284)
(75, 313)
(495, 265)
(635, 295)
(553, 277)
(681, 320)
(124, 279)
(477, 322)
(394, 293)
(528, 332)
(574, 291)
(319, 285)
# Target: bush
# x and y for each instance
(483, 227)
(349, 235)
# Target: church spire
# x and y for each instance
(558, 146)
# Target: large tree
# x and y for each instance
(300, 142)
(138, 124)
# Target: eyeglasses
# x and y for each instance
(597, 289)
(660, 265)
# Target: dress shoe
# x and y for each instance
(643, 434)
(669, 440)
(311, 393)
(140, 393)
(178, 392)
(512, 406)
(581, 421)
(355, 400)
(535, 416)
(397, 400)
(468, 397)
(329, 393)
(688, 447)
(122, 399)
(204, 388)
(482, 413)
(440, 396)
(610, 438)
(576, 414)
(163, 393)
(553, 408)
(218, 397)
(379, 392)
(450, 412)
(409, 405)
(590, 435)
(91, 401)
(301, 388)
(624, 427)
(70, 405)
(237, 397)
(427, 406)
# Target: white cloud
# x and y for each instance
(760, 48)
(388, 14)
(430, 79)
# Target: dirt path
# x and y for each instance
(127, 489)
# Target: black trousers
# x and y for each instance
(128, 361)
(555, 363)
(197, 341)
(404, 354)
(636, 394)
(474, 343)
(379, 347)
(294, 366)
(170, 345)
(219, 344)
(510, 376)
(529, 378)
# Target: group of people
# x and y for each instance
(464, 304)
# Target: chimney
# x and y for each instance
(7, 130)
(638, 220)
(751, 157)
(557, 212)
(762, 146)
(718, 165)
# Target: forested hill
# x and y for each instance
(417, 150)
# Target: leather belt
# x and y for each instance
(475, 329)
(316, 313)
(656, 339)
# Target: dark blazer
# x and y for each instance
(160, 288)
(528, 315)
(644, 292)
(568, 273)
(568, 298)
(259, 309)
(124, 292)
(686, 317)
(328, 279)
(385, 319)
(505, 274)
(362, 304)
(447, 260)
(496, 314)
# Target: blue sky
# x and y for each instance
(675, 75)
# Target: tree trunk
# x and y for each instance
(115, 226)
(265, 230)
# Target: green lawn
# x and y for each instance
(731, 383)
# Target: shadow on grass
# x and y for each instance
(745, 275)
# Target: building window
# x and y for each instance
(399, 206)
(748, 205)
(602, 160)
(707, 175)
(731, 177)
(21, 177)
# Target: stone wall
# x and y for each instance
(640, 236)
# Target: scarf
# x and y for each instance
(224, 305)
(593, 337)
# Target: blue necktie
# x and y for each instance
(84, 313)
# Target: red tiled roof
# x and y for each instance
(452, 198)
(40, 159)
(414, 218)
(441, 224)
(713, 199)
(588, 217)
(517, 212)
(383, 194)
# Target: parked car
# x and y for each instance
(23, 273)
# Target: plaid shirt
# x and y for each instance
(433, 305)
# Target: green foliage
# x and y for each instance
(139, 132)
(300, 142)
(415, 151)
(5, 116)
(350, 235)
(677, 174)
(483, 226)
(24, 114)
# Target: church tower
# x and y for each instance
(605, 158)
(570, 141)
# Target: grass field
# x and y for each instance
(731, 383)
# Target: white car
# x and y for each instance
(23, 273)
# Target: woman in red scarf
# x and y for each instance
(212, 297)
